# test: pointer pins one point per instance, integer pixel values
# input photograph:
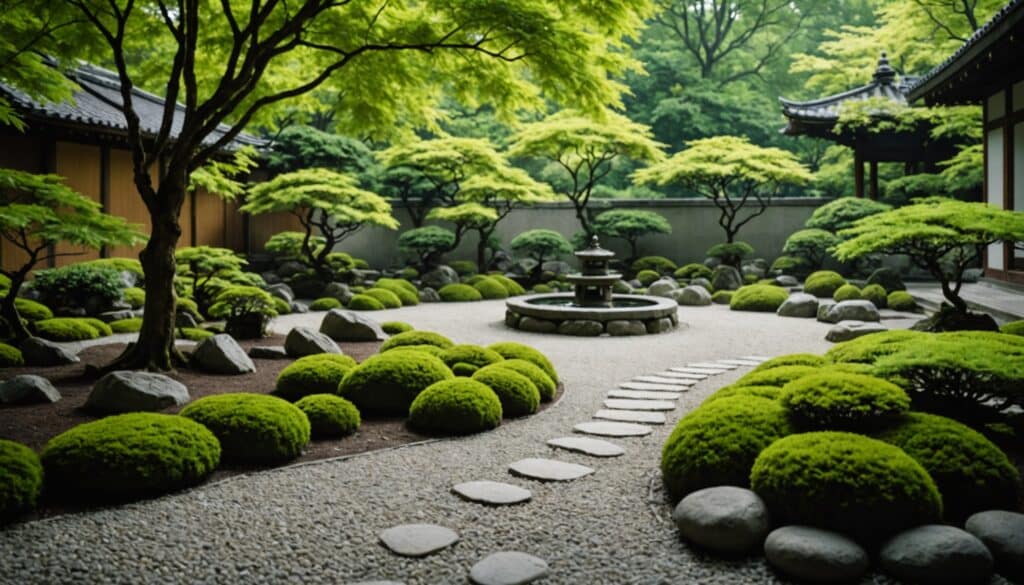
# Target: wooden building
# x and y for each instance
(989, 70)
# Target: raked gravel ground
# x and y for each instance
(318, 522)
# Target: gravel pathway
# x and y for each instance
(318, 522)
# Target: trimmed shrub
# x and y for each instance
(324, 304)
(876, 294)
(731, 253)
(459, 293)
(313, 374)
(769, 392)
(849, 483)
(362, 302)
(66, 329)
(429, 349)
(102, 328)
(128, 456)
(10, 356)
(659, 264)
(132, 325)
(972, 474)
(403, 289)
(758, 297)
(455, 407)
(193, 333)
(70, 285)
(30, 310)
(722, 297)
(417, 338)
(901, 301)
(512, 287)
(281, 306)
(823, 283)
(464, 370)
(387, 383)
(793, 359)
(246, 309)
(409, 273)
(329, 415)
(134, 296)
(511, 350)
(252, 428)
(847, 292)
(395, 327)
(120, 264)
(463, 267)
(691, 271)
(542, 289)
(778, 376)
(841, 401)
(21, 479)
(718, 443)
(866, 349)
(470, 354)
(387, 298)
(1013, 328)
(646, 277)
(186, 305)
(518, 395)
(545, 385)
(490, 289)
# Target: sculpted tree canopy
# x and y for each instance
(304, 147)
(631, 225)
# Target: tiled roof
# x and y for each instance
(883, 85)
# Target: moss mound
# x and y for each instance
(511, 350)
(395, 327)
(313, 374)
(793, 359)
(758, 297)
(718, 443)
(778, 376)
(876, 294)
(518, 395)
(134, 296)
(769, 392)
(194, 333)
(325, 304)
(868, 348)
(329, 415)
(31, 311)
(545, 385)
(128, 456)
(512, 287)
(385, 297)
(403, 289)
(10, 356)
(21, 479)
(387, 383)
(646, 277)
(429, 349)
(823, 283)
(464, 370)
(849, 483)
(459, 293)
(470, 354)
(417, 338)
(490, 289)
(252, 428)
(901, 301)
(691, 271)
(841, 401)
(463, 267)
(1013, 328)
(132, 325)
(542, 289)
(455, 407)
(659, 264)
(847, 292)
(363, 302)
(722, 297)
(71, 329)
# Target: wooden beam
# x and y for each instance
(874, 180)
(858, 173)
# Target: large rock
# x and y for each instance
(723, 519)
(663, 288)
(824, 306)
(626, 327)
(799, 305)
(429, 295)
(290, 268)
(185, 320)
(815, 555)
(128, 391)
(338, 290)
(847, 330)
(42, 353)
(936, 555)
(726, 277)
(852, 311)
(534, 325)
(581, 328)
(439, 277)
(27, 389)
(557, 266)
(693, 296)
(221, 354)
(303, 341)
(282, 291)
(660, 325)
(701, 281)
(1002, 532)
(786, 281)
(342, 325)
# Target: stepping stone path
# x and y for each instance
(683, 376)
(592, 447)
(612, 429)
(756, 358)
(682, 383)
(712, 365)
(417, 540)
(618, 404)
(650, 386)
(508, 568)
(548, 469)
(702, 371)
(739, 362)
(492, 492)
(633, 416)
(643, 395)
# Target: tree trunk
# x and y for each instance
(632, 248)
(10, 313)
(581, 214)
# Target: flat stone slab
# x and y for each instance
(508, 568)
(612, 429)
(660, 380)
(493, 493)
(548, 469)
(702, 371)
(650, 386)
(634, 416)
(643, 395)
(682, 375)
(620, 404)
(712, 365)
(417, 540)
(741, 363)
(592, 447)
(755, 358)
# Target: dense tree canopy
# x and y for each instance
(631, 225)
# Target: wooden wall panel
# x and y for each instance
(234, 236)
(125, 200)
(25, 153)
(185, 221)
(209, 219)
(79, 164)
(261, 227)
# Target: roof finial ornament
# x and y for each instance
(594, 243)
(884, 74)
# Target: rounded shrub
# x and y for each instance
(491, 289)
(518, 395)
(194, 333)
(758, 297)
(464, 370)
(463, 267)
(823, 283)
(646, 277)
(868, 348)
(21, 479)
(845, 482)
(512, 287)
(459, 293)
(66, 329)
(901, 300)
(313, 374)
(132, 325)
(130, 455)
(512, 350)
(542, 289)
(403, 289)
(659, 264)
(363, 302)
(428, 349)
(387, 383)
(691, 271)
(31, 311)
(455, 407)
(395, 327)
(841, 401)
(888, 279)
(722, 297)
(847, 292)
(417, 338)
(793, 359)
(972, 474)
(324, 304)
(769, 392)
(717, 443)
(101, 327)
(329, 415)
(470, 354)
(10, 356)
(252, 428)
(545, 385)
(134, 296)
(778, 376)
(876, 294)
(387, 298)
(186, 305)
(1013, 328)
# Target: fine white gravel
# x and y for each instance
(318, 522)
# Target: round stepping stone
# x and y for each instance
(493, 493)
(631, 416)
(612, 429)
(417, 540)
(618, 404)
(643, 395)
(650, 386)
(815, 555)
(936, 554)
(508, 568)
(592, 447)
(670, 381)
(549, 469)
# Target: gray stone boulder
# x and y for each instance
(303, 341)
(701, 281)
(800, 305)
(290, 268)
(754, 269)
(663, 288)
(342, 325)
(128, 391)
(581, 328)
(852, 311)
(1002, 532)
(724, 519)
(635, 284)
(726, 277)
(221, 354)
(786, 281)
(534, 325)
(268, 352)
(659, 325)
(439, 277)
(27, 389)
(557, 266)
(693, 296)
(338, 290)
(298, 307)
(711, 262)
(282, 291)
(824, 306)
(815, 555)
(42, 353)
(626, 327)
(429, 295)
(936, 555)
(847, 330)
(184, 319)
(111, 316)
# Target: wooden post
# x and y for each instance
(105, 188)
(858, 173)
(874, 180)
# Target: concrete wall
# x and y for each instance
(694, 229)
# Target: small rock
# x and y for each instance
(439, 277)
(338, 290)
(42, 353)
(663, 288)
(724, 519)
(581, 328)
(508, 568)
(512, 319)
(282, 291)
(492, 492)
(429, 295)
(342, 325)
(221, 354)
(127, 391)
(534, 325)
(548, 469)
(824, 306)
(755, 270)
(693, 296)
(815, 555)
(936, 555)
(786, 281)
(621, 327)
(556, 266)
(111, 316)
(612, 429)
(726, 277)
(290, 268)
(418, 540)
(847, 330)
(303, 341)
(1002, 532)
(183, 319)
(592, 447)
(28, 389)
(800, 305)
(268, 352)
(298, 307)
(661, 325)
(701, 281)
(852, 311)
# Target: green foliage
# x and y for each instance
(464, 370)
(362, 302)
(470, 354)
(646, 277)
(395, 327)
(427, 243)
(387, 298)
(899, 300)
(868, 348)
(849, 483)
(691, 271)
(429, 349)
(417, 338)
(455, 407)
(545, 385)
(21, 479)
(758, 297)
(811, 245)
(843, 213)
(490, 289)
(69, 285)
(512, 288)
(874, 293)
(631, 225)
(512, 350)
(463, 267)
(1013, 328)
(769, 392)
(823, 283)
(304, 147)
(10, 356)
(252, 428)
(131, 265)
(240, 304)
(409, 273)
(658, 264)
(722, 297)
(132, 325)
(888, 279)
(793, 359)
(203, 266)
(67, 329)
(225, 177)
(518, 395)
(403, 289)
(789, 265)
(313, 374)
(777, 376)
(541, 245)
(847, 292)
(193, 333)
(129, 455)
(325, 304)
(841, 401)
(30, 310)
(289, 244)
(542, 289)
(717, 443)
(134, 296)
(387, 383)
(731, 253)
(459, 293)
(329, 416)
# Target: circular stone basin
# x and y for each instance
(558, 313)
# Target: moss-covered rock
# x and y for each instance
(491, 289)
(847, 292)
(470, 354)
(545, 385)
(841, 401)
(403, 289)
(512, 287)
(313, 374)
(32, 311)
(542, 289)
(428, 349)
(387, 383)
(901, 300)
(868, 348)
(646, 277)
(362, 302)
(329, 415)
(131, 325)
(1013, 328)
(252, 428)
(849, 483)
(10, 356)
(395, 327)
(778, 376)
(70, 329)
(385, 297)
(463, 267)
(769, 392)
(691, 271)
(193, 333)
(455, 407)
(518, 395)
(792, 359)
(876, 294)
(128, 456)
(459, 293)
(758, 297)
(722, 297)
(134, 296)
(417, 338)
(512, 350)
(823, 283)
(282, 307)
(21, 479)
(325, 304)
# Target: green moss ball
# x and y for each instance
(464, 370)
(409, 273)
(849, 483)
(793, 359)
(387, 383)
(417, 338)
(491, 289)
(518, 395)
(194, 333)
(130, 455)
(646, 277)
(395, 327)
(21, 479)
(455, 407)
(329, 415)
(403, 289)
(542, 289)
(901, 300)
(134, 296)
(10, 356)
(512, 350)
(252, 428)
(545, 385)
(325, 304)
(758, 297)
(512, 287)
(847, 292)
(463, 267)
(722, 297)
(717, 443)
(459, 293)
(777, 376)
(823, 283)
(841, 401)
(67, 329)
(131, 325)
(282, 307)
(769, 392)
(429, 349)
(876, 294)
(363, 302)
(32, 311)
(470, 354)
(313, 374)
(387, 298)
(691, 271)
(868, 348)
